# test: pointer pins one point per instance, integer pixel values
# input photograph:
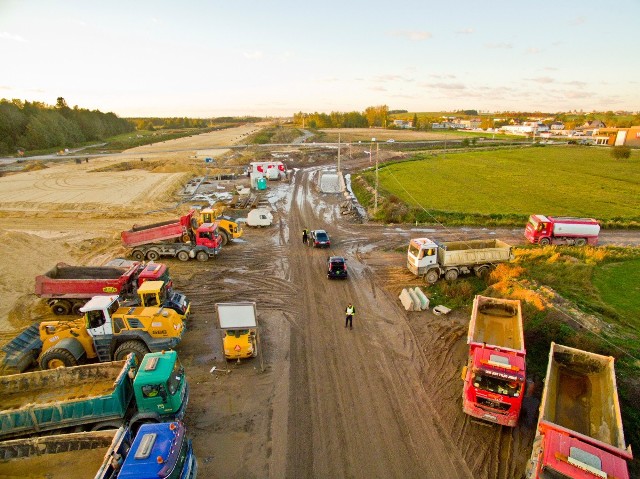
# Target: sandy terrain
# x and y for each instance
(381, 400)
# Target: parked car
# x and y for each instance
(336, 267)
(319, 239)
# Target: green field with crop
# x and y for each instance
(552, 180)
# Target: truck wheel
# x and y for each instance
(545, 242)
(138, 348)
(432, 276)
(61, 307)
(482, 271)
(75, 309)
(138, 255)
(224, 237)
(57, 358)
(202, 256)
(183, 256)
(451, 275)
(581, 242)
(152, 255)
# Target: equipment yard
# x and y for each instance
(381, 400)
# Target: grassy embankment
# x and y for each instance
(588, 298)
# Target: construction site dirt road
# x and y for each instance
(381, 400)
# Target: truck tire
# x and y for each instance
(138, 348)
(57, 358)
(75, 309)
(138, 255)
(152, 255)
(581, 242)
(202, 256)
(61, 307)
(451, 275)
(183, 255)
(482, 271)
(432, 276)
(545, 242)
(224, 237)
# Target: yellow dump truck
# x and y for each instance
(239, 326)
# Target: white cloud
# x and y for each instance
(542, 80)
(414, 36)
(446, 86)
(533, 50)
(579, 21)
(466, 31)
(11, 36)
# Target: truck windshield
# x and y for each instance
(175, 378)
(496, 385)
(414, 250)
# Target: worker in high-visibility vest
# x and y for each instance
(350, 311)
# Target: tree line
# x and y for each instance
(373, 116)
(173, 123)
(35, 125)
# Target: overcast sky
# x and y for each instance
(259, 57)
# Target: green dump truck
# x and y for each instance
(93, 397)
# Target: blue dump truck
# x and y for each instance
(158, 451)
(93, 397)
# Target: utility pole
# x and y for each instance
(375, 207)
(339, 153)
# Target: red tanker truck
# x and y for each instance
(546, 230)
(494, 377)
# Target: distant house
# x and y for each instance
(557, 125)
(591, 125)
(471, 124)
(403, 124)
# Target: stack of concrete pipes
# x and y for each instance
(413, 299)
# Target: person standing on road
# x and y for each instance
(305, 235)
(350, 311)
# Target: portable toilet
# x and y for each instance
(261, 183)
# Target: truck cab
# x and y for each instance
(207, 235)
(422, 255)
(160, 451)
(160, 386)
(496, 386)
(155, 272)
(238, 322)
(229, 228)
(156, 293)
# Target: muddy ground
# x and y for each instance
(381, 400)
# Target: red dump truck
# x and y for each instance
(181, 238)
(494, 377)
(67, 288)
(579, 433)
(546, 230)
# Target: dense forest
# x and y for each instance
(37, 126)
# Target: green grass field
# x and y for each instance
(562, 180)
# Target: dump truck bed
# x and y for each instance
(39, 401)
(65, 281)
(468, 253)
(66, 456)
(496, 322)
(580, 394)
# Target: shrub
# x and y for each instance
(621, 152)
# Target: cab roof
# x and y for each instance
(98, 303)
(156, 367)
(150, 286)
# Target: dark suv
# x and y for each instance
(319, 239)
(336, 267)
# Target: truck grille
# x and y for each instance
(488, 403)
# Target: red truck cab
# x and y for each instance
(566, 453)
(155, 272)
(494, 384)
